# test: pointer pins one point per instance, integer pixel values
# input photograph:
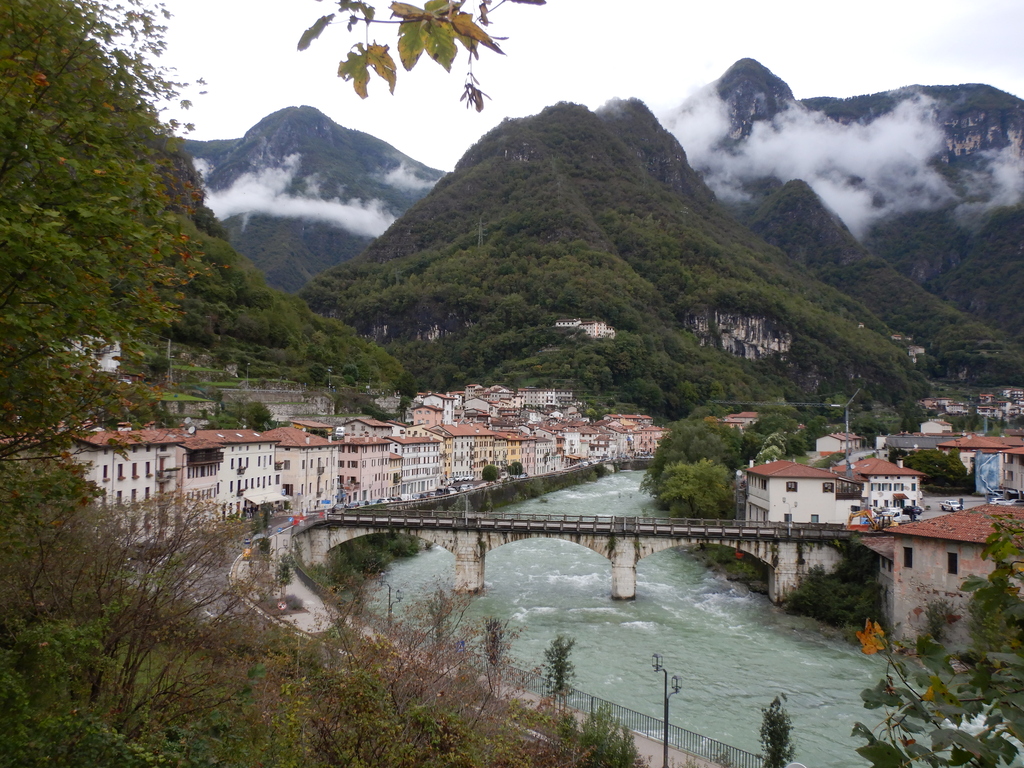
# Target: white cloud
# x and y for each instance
(862, 171)
(405, 178)
(264, 192)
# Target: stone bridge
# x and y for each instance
(789, 550)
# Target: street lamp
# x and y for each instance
(392, 603)
(677, 683)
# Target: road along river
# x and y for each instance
(734, 650)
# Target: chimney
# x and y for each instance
(899, 463)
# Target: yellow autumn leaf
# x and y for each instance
(929, 695)
(872, 639)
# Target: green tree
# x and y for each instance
(698, 490)
(433, 29)
(515, 469)
(776, 735)
(559, 671)
(489, 473)
(601, 740)
(772, 449)
(941, 468)
(86, 237)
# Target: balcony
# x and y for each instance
(241, 470)
(278, 466)
(163, 475)
(320, 470)
(240, 492)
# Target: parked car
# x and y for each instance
(914, 511)
(952, 505)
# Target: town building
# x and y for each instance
(886, 484)
(784, 491)
(420, 465)
(309, 469)
(928, 564)
(839, 442)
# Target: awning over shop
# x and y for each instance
(262, 495)
(899, 496)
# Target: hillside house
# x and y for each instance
(839, 442)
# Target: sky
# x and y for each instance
(582, 51)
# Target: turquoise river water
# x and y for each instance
(733, 649)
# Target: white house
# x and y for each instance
(421, 464)
(785, 491)
(247, 477)
(887, 484)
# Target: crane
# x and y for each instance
(846, 409)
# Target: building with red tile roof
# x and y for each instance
(785, 491)
(929, 562)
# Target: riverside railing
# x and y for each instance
(652, 727)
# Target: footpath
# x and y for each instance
(316, 617)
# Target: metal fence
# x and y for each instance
(680, 738)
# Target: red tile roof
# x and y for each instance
(970, 525)
(792, 469)
(979, 443)
(874, 467)
(291, 437)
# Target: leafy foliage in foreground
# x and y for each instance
(86, 241)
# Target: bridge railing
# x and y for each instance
(600, 524)
(680, 738)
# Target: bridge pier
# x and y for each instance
(624, 571)
(469, 564)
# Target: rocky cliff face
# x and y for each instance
(751, 338)
(751, 92)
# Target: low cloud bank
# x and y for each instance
(264, 192)
(403, 177)
(862, 172)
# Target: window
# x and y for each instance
(788, 517)
(828, 488)
(952, 566)
(908, 557)
(815, 519)
(790, 485)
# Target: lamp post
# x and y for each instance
(677, 683)
(392, 603)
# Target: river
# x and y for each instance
(733, 649)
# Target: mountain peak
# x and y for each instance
(752, 92)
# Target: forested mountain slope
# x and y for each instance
(925, 177)
(794, 219)
(226, 311)
(300, 193)
(575, 214)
